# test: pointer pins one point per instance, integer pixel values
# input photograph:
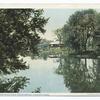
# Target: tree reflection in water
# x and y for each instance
(79, 75)
(12, 85)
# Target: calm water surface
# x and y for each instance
(42, 75)
(74, 75)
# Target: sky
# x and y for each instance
(57, 18)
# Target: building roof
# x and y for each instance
(55, 42)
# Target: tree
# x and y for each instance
(70, 39)
(13, 85)
(80, 29)
(84, 26)
(58, 33)
(19, 29)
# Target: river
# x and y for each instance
(41, 74)
(54, 75)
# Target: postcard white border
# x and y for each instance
(51, 5)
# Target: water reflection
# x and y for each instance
(80, 75)
(43, 77)
(51, 73)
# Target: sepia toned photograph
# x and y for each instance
(50, 50)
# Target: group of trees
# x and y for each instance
(19, 29)
(79, 32)
(19, 36)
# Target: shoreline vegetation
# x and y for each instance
(80, 35)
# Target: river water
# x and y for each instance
(41, 74)
(55, 75)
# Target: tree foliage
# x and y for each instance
(79, 31)
(19, 29)
(83, 25)
(13, 85)
(58, 33)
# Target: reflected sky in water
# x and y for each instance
(42, 75)
(76, 75)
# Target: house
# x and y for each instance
(56, 44)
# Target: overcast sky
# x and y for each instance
(58, 18)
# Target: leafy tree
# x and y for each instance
(13, 85)
(69, 38)
(58, 33)
(19, 29)
(79, 30)
(83, 25)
